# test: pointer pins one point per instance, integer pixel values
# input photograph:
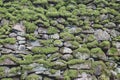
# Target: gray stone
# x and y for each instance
(114, 33)
(42, 30)
(103, 17)
(10, 46)
(110, 25)
(7, 62)
(19, 27)
(21, 42)
(67, 44)
(21, 47)
(81, 66)
(21, 33)
(66, 50)
(101, 35)
(82, 56)
(5, 51)
(34, 43)
(74, 30)
(20, 38)
(98, 70)
(12, 34)
(45, 36)
(67, 57)
(55, 36)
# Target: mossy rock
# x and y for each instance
(82, 50)
(30, 37)
(98, 53)
(67, 36)
(7, 79)
(8, 41)
(47, 42)
(52, 30)
(15, 70)
(58, 43)
(44, 50)
(33, 77)
(90, 38)
(75, 61)
(105, 45)
(2, 72)
(70, 74)
(97, 26)
(92, 44)
(113, 51)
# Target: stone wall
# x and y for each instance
(59, 39)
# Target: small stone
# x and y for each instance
(34, 43)
(9, 46)
(21, 42)
(67, 57)
(42, 30)
(82, 56)
(20, 38)
(58, 43)
(66, 50)
(45, 36)
(110, 25)
(67, 44)
(103, 17)
(21, 47)
(5, 51)
(12, 34)
(8, 62)
(19, 27)
(55, 36)
(101, 35)
(21, 33)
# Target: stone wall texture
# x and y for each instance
(59, 39)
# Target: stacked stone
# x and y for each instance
(59, 47)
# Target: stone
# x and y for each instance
(55, 36)
(12, 34)
(42, 30)
(110, 25)
(101, 35)
(10, 46)
(81, 66)
(58, 43)
(21, 33)
(7, 61)
(74, 30)
(98, 70)
(103, 17)
(45, 36)
(21, 42)
(114, 33)
(20, 38)
(67, 44)
(34, 43)
(19, 27)
(66, 50)
(21, 47)
(5, 50)
(82, 56)
(67, 57)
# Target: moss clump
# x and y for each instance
(75, 61)
(7, 79)
(47, 42)
(40, 2)
(58, 43)
(98, 26)
(52, 12)
(2, 71)
(105, 44)
(15, 70)
(70, 74)
(52, 30)
(8, 41)
(30, 27)
(113, 51)
(90, 38)
(75, 44)
(82, 50)
(67, 36)
(92, 44)
(30, 37)
(44, 50)
(32, 77)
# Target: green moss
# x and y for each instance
(30, 36)
(40, 2)
(2, 71)
(58, 42)
(32, 77)
(30, 27)
(105, 44)
(90, 38)
(97, 26)
(96, 51)
(52, 12)
(46, 42)
(67, 36)
(15, 70)
(60, 26)
(44, 50)
(52, 30)
(82, 50)
(7, 79)
(9, 41)
(70, 74)
(92, 44)
(113, 51)
(75, 44)
(75, 61)
(53, 71)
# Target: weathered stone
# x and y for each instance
(101, 35)
(10, 46)
(66, 50)
(67, 44)
(34, 43)
(7, 61)
(5, 51)
(12, 34)
(55, 36)
(82, 56)
(110, 25)
(21, 47)
(103, 17)
(21, 42)
(20, 38)
(67, 57)
(19, 27)
(42, 30)
(45, 36)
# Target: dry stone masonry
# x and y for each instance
(59, 39)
